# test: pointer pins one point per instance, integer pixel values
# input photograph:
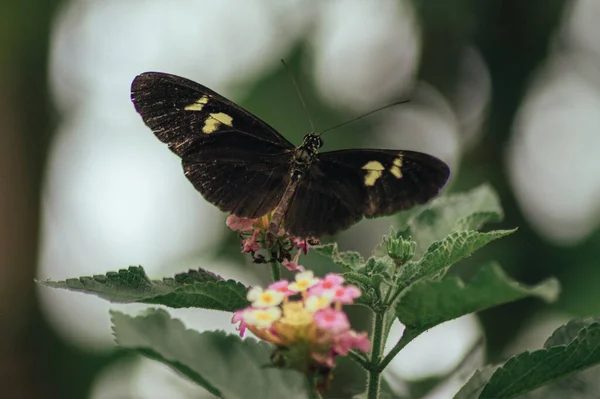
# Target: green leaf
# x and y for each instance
(573, 385)
(442, 254)
(455, 212)
(472, 389)
(378, 265)
(529, 370)
(476, 221)
(581, 384)
(196, 288)
(348, 261)
(223, 364)
(564, 335)
(357, 279)
(429, 303)
(227, 296)
(368, 294)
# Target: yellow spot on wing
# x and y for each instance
(373, 165)
(396, 167)
(372, 177)
(396, 171)
(223, 118)
(375, 170)
(212, 123)
(198, 105)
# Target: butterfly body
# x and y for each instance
(302, 159)
(245, 167)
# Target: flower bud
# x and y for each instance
(400, 249)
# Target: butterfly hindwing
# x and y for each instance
(182, 112)
(327, 199)
(343, 186)
(239, 175)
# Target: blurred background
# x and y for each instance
(505, 91)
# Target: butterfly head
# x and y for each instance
(306, 153)
(312, 142)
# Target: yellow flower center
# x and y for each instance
(315, 303)
(263, 316)
(294, 314)
(266, 297)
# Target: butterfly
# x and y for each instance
(245, 167)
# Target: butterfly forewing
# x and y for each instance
(181, 112)
(234, 159)
(343, 186)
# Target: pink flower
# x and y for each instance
(238, 317)
(331, 320)
(350, 340)
(301, 245)
(331, 282)
(250, 244)
(281, 286)
(307, 332)
(291, 266)
(236, 223)
(346, 294)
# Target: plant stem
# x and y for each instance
(360, 360)
(374, 379)
(275, 271)
(399, 291)
(310, 388)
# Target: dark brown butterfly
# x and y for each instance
(244, 167)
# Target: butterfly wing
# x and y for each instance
(181, 112)
(343, 186)
(239, 175)
(234, 159)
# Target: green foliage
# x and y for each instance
(195, 288)
(455, 212)
(571, 348)
(428, 303)
(404, 278)
(407, 270)
(223, 364)
(396, 265)
(564, 335)
(347, 261)
(444, 253)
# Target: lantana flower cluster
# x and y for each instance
(252, 232)
(304, 318)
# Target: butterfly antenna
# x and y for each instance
(299, 95)
(364, 115)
